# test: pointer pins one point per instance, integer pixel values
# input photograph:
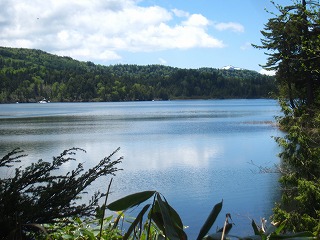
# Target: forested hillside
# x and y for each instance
(28, 75)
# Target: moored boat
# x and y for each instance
(43, 101)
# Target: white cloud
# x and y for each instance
(246, 46)
(235, 27)
(266, 72)
(85, 54)
(101, 29)
(196, 20)
(162, 61)
(180, 13)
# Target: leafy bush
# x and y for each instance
(38, 194)
(77, 228)
(300, 169)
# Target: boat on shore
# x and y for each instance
(44, 101)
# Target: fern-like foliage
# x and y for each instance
(39, 194)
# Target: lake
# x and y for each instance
(195, 152)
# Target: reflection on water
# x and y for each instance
(194, 152)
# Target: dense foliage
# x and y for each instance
(37, 194)
(293, 40)
(30, 75)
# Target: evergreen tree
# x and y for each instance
(292, 39)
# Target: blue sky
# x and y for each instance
(178, 33)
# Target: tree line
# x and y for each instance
(28, 75)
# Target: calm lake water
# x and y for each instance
(195, 152)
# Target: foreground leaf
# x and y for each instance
(210, 220)
(137, 220)
(170, 230)
(130, 201)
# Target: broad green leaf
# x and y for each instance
(177, 222)
(170, 231)
(137, 220)
(175, 216)
(210, 220)
(155, 215)
(130, 201)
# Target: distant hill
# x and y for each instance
(28, 75)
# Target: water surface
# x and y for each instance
(195, 152)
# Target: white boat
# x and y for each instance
(43, 101)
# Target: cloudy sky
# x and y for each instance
(179, 33)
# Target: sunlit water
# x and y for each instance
(195, 152)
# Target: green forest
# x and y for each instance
(28, 75)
